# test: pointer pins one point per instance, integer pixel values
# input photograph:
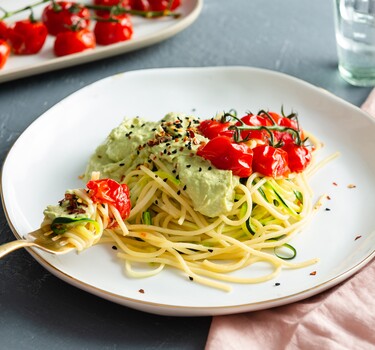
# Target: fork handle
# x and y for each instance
(9, 247)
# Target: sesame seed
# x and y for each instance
(188, 166)
(184, 188)
(165, 180)
(121, 164)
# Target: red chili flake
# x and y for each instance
(352, 186)
(358, 237)
(334, 183)
(141, 291)
(313, 273)
(329, 198)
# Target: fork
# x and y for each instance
(36, 239)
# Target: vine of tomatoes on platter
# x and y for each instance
(74, 26)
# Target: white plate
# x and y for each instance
(146, 32)
(51, 154)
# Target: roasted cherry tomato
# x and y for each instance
(4, 52)
(299, 157)
(270, 161)
(255, 120)
(155, 5)
(3, 30)
(120, 3)
(115, 29)
(70, 42)
(211, 128)
(27, 37)
(60, 16)
(225, 154)
(108, 191)
(285, 136)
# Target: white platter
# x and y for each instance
(146, 32)
(56, 147)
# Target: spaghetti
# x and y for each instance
(164, 229)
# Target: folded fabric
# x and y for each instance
(340, 318)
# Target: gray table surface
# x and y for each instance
(39, 311)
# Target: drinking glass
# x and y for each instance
(355, 37)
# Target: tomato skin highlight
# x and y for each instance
(67, 43)
(270, 161)
(108, 191)
(27, 37)
(211, 128)
(61, 16)
(4, 52)
(224, 154)
(299, 157)
(107, 32)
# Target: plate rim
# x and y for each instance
(167, 309)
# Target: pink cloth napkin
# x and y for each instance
(340, 318)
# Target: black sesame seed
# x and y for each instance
(209, 168)
(191, 278)
(200, 169)
(177, 177)
(165, 180)
(188, 166)
(210, 250)
(121, 164)
(184, 188)
(178, 192)
(114, 247)
(277, 284)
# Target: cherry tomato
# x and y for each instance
(270, 161)
(299, 157)
(225, 154)
(255, 120)
(4, 52)
(154, 5)
(121, 3)
(3, 30)
(60, 16)
(285, 136)
(118, 29)
(108, 191)
(67, 43)
(211, 128)
(27, 37)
